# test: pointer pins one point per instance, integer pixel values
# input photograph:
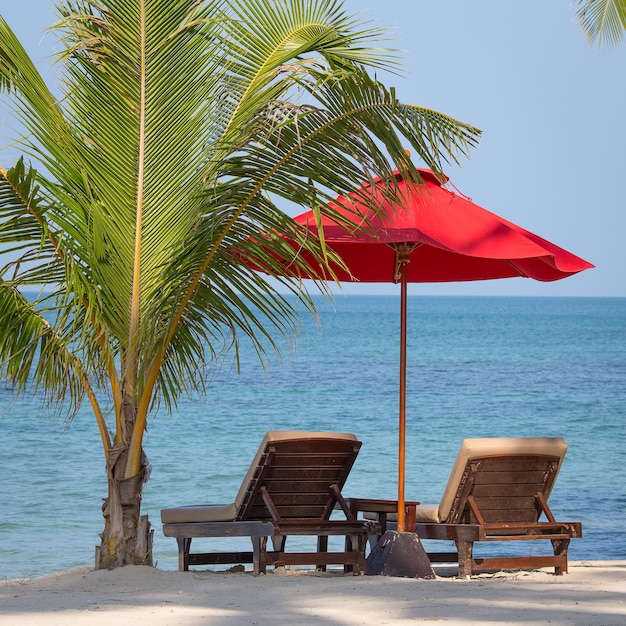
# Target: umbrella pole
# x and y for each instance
(402, 420)
(400, 553)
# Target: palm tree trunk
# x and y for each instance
(127, 537)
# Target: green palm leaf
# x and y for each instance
(602, 21)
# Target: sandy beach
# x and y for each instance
(592, 593)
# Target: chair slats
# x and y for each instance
(299, 468)
(302, 474)
(522, 463)
(502, 516)
(507, 503)
(310, 460)
(494, 490)
(504, 476)
(290, 486)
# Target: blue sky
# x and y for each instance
(550, 107)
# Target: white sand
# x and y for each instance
(590, 594)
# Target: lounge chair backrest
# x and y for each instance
(302, 465)
(514, 457)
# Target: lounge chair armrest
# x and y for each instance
(269, 503)
(341, 501)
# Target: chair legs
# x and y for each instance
(356, 544)
(184, 545)
(322, 546)
(465, 551)
(259, 549)
(560, 547)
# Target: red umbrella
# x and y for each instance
(446, 237)
(429, 234)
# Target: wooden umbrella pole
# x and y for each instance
(402, 422)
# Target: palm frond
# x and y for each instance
(32, 355)
(24, 234)
(268, 45)
(602, 21)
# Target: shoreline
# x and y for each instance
(592, 593)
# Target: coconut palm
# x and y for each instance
(179, 131)
(602, 21)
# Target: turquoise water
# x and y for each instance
(477, 367)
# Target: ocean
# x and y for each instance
(477, 367)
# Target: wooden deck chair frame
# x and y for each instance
(291, 488)
(498, 490)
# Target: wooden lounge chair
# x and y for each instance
(291, 488)
(498, 490)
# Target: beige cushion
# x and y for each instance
(478, 448)
(199, 513)
(423, 513)
(427, 513)
(227, 512)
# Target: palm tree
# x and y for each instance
(603, 21)
(141, 190)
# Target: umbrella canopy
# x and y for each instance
(446, 238)
(427, 233)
